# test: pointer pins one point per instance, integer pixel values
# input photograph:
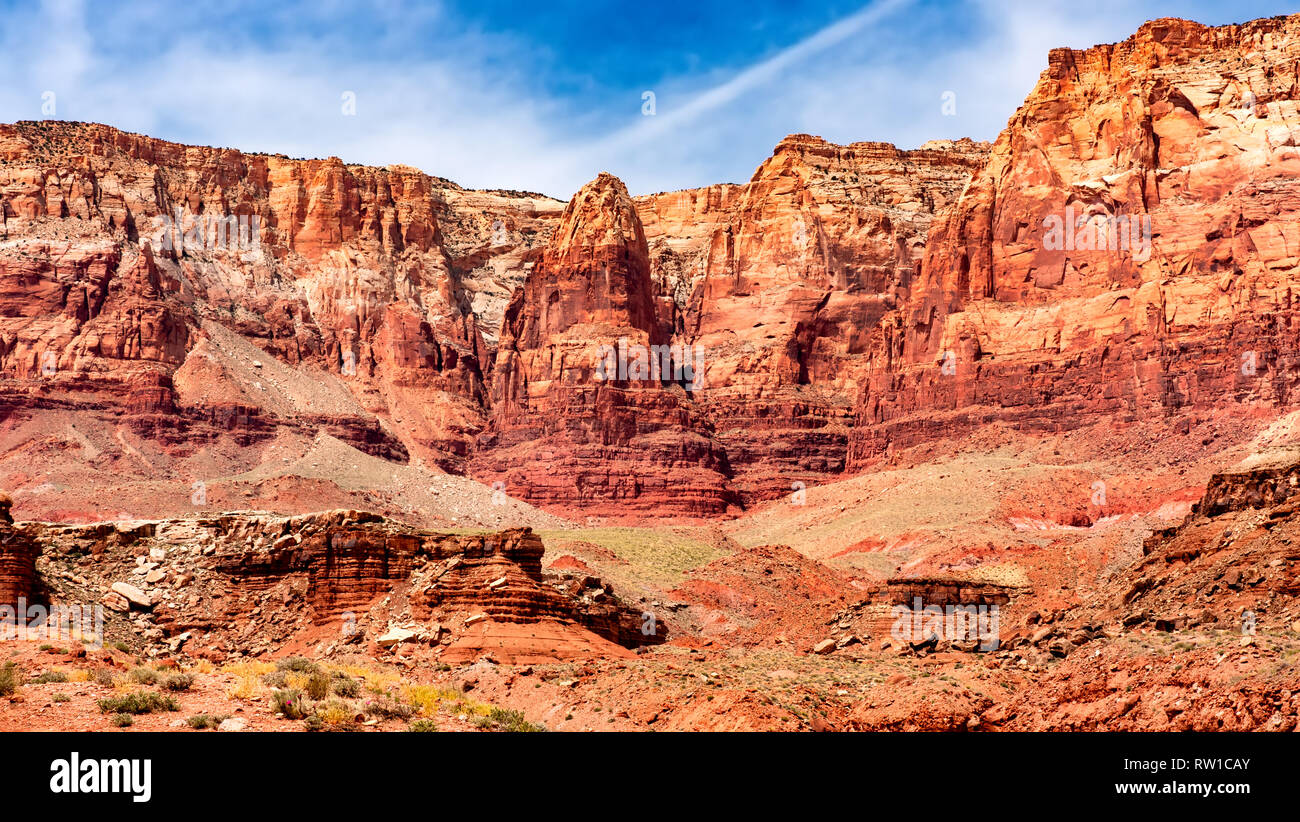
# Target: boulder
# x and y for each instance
(394, 636)
(136, 597)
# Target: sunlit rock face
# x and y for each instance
(783, 282)
(581, 416)
(1129, 249)
(133, 268)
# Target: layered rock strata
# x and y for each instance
(1129, 249)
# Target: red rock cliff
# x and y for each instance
(1129, 248)
(344, 272)
(783, 281)
(580, 412)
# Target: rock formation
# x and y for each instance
(249, 583)
(767, 294)
(17, 560)
(591, 401)
(784, 281)
(1124, 249)
(129, 260)
(994, 338)
(1127, 250)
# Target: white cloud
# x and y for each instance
(472, 112)
(449, 116)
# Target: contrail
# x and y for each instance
(752, 77)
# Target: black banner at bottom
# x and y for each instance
(331, 771)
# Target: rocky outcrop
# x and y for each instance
(945, 591)
(498, 576)
(1228, 567)
(17, 560)
(1243, 490)
(239, 582)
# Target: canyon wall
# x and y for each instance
(1128, 250)
(767, 294)
(128, 261)
(202, 294)
(789, 276)
(1124, 250)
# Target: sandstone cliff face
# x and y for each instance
(768, 291)
(402, 313)
(584, 410)
(1128, 249)
(790, 276)
(342, 271)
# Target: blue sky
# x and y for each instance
(543, 96)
